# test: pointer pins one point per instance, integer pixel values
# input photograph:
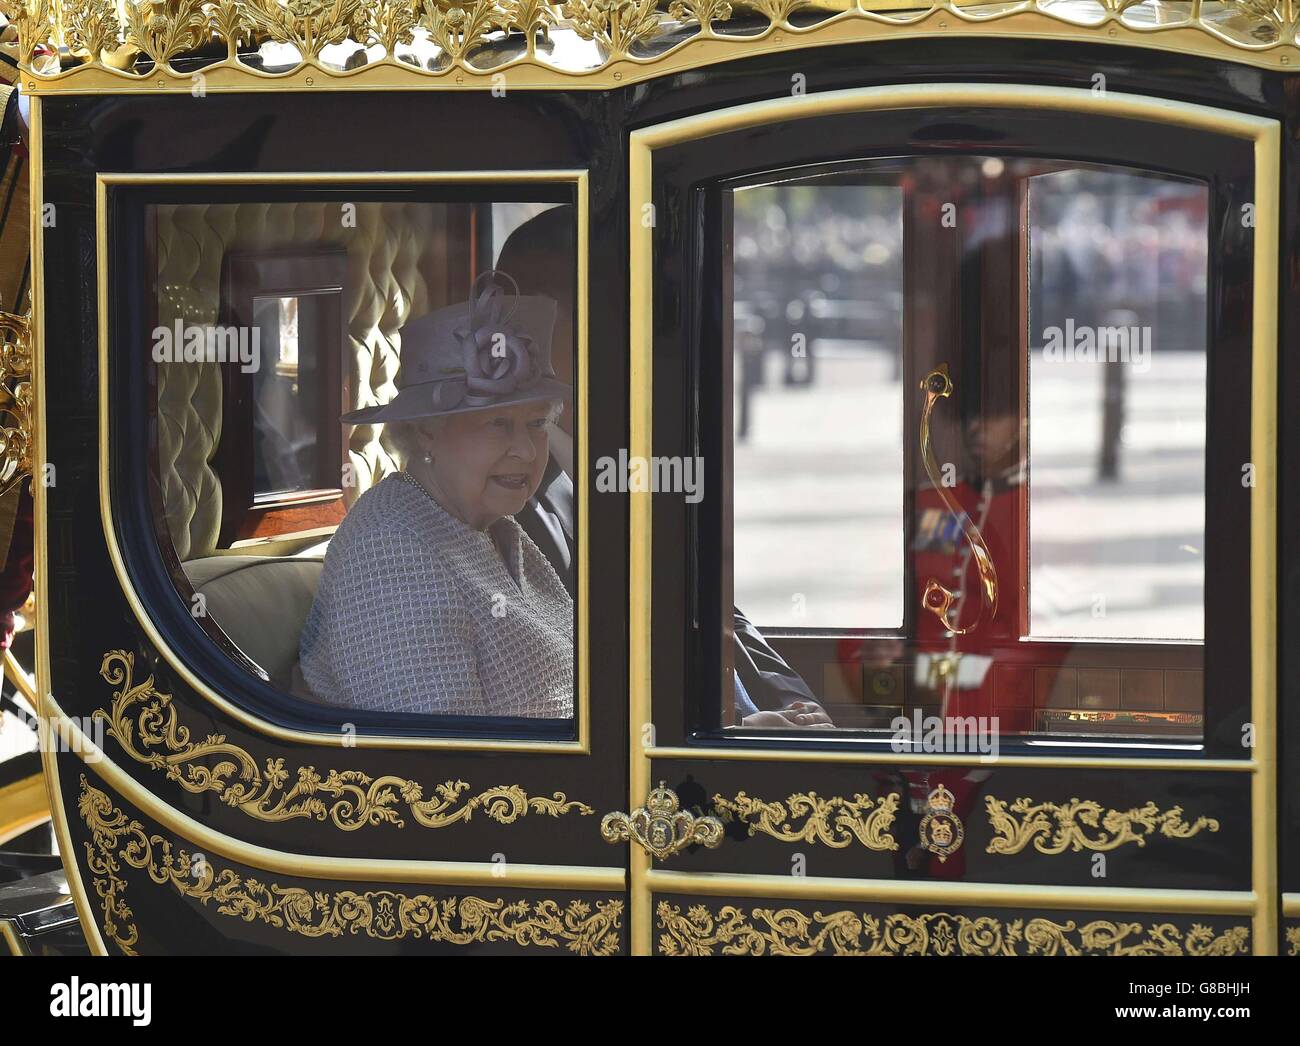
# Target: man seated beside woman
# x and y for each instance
(448, 588)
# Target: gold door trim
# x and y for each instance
(62, 734)
(1252, 34)
(336, 739)
(1265, 134)
(143, 721)
(869, 757)
(385, 915)
(954, 894)
(791, 931)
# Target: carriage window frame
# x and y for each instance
(147, 567)
(682, 168)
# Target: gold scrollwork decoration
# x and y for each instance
(661, 827)
(143, 720)
(384, 915)
(1293, 940)
(834, 821)
(1082, 824)
(15, 401)
(789, 931)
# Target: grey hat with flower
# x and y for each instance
(490, 351)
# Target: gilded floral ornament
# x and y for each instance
(230, 23)
(705, 12)
(778, 11)
(1281, 16)
(164, 29)
(92, 28)
(789, 931)
(34, 21)
(143, 721)
(384, 915)
(836, 821)
(309, 25)
(390, 22)
(15, 401)
(633, 39)
(533, 18)
(458, 29)
(1293, 940)
(1082, 824)
(617, 25)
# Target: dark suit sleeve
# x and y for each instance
(772, 684)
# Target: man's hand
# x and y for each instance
(805, 715)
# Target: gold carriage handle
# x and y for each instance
(661, 827)
(937, 599)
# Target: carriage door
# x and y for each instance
(219, 787)
(953, 563)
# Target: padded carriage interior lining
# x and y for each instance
(397, 262)
(261, 604)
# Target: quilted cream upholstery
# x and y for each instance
(260, 603)
(397, 265)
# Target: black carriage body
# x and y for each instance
(324, 840)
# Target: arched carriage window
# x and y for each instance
(1065, 470)
(270, 310)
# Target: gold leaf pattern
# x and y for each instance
(143, 721)
(390, 22)
(309, 25)
(15, 400)
(617, 25)
(1293, 939)
(91, 27)
(836, 821)
(1082, 824)
(384, 915)
(163, 29)
(34, 21)
(458, 29)
(789, 931)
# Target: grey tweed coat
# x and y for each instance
(419, 612)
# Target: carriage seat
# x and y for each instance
(261, 603)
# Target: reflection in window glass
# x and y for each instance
(968, 451)
(284, 425)
(818, 410)
(1117, 406)
(363, 446)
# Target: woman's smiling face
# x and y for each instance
(488, 463)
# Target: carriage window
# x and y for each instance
(362, 439)
(818, 331)
(968, 448)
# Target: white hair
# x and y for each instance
(412, 438)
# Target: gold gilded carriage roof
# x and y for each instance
(109, 46)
